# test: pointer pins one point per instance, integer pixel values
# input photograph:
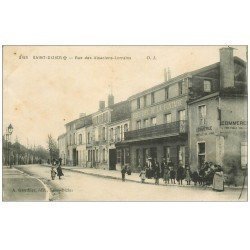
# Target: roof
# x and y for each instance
(182, 76)
(120, 111)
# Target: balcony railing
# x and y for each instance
(178, 127)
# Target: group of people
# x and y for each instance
(166, 171)
(56, 169)
(208, 173)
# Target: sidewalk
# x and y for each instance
(134, 177)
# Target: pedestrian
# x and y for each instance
(218, 180)
(195, 177)
(172, 172)
(157, 172)
(123, 171)
(128, 170)
(163, 166)
(180, 174)
(166, 175)
(143, 175)
(60, 161)
(188, 175)
(149, 168)
(53, 173)
(59, 172)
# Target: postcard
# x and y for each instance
(125, 123)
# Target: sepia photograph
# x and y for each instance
(125, 123)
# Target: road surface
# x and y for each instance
(18, 186)
(81, 187)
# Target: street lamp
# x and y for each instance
(8, 137)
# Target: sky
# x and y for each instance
(41, 95)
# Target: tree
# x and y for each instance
(52, 147)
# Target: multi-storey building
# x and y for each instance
(160, 115)
(81, 140)
(218, 114)
(195, 117)
(76, 140)
(159, 123)
(108, 125)
(119, 124)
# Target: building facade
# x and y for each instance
(219, 118)
(195, 117)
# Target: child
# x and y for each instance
(188, 176)
(53, 173)
(143, 175)
(123, 171)
(166, 175)
(172, 175)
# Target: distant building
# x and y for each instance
(62, 146)
(119, 154)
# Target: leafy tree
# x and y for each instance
(52, 147)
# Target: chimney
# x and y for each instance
(165, 75)
(82, 115)
(226, 67)
(111, 100)
(101, 105)
(169, 74)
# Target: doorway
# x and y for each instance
(112, 159)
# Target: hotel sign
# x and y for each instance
(160, 108)
(233, 125)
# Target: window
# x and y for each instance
(104, 133)
(243, 154)
(138, 103)
(70, 139)
(146, 123)
(118, 156)
(153, 121)
(145, 101)
(111, 134)
(201, 153)
(202, 112)
(126, 127)
(166, 93)
(88, 137)
(104, 155)
(138, 125)
(168, 118)
(80, 139)
(182, 115)
(207, 86)
(118, 133)
(181, 155)
(89, 155)
(96, 155)
(127, 158)
(152, 98)
(122, 133)
(183, 87)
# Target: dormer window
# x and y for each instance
(207, 86)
